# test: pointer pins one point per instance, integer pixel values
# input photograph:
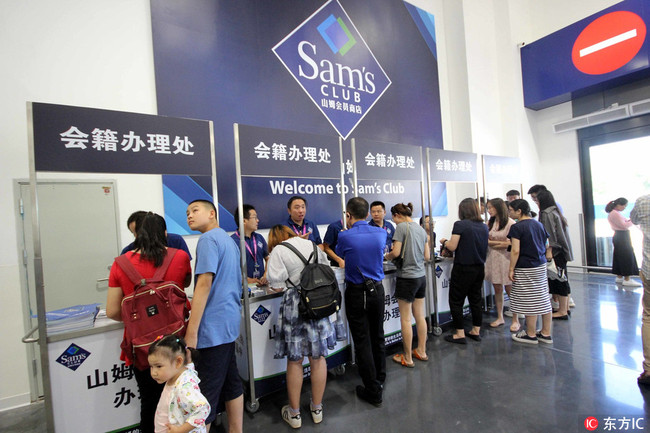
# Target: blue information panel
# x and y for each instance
(451, 166)
(502, 169)
(277, 165)
(78, 139)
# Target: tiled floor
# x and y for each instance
(492, 386)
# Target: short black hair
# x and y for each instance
(247, 212)
(536, 188)
(378, 203)
(357, 207)
(206, 203)
(294, 198)
(512, 192)
(136, 217)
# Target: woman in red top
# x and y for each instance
(150, 248)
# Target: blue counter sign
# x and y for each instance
(333, 64)
(73, 357)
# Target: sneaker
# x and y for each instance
(293, 420)
(316, 414)
(555, 305)
(544, 338)
(364, 394)
(571, 302)
(631, 283)
(619, 280)
(507, 313)
(522, 337)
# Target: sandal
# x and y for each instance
(492, 325)
(420, 357)
(514, 328)
(399, 358)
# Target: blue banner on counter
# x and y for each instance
(376, 160)
(274, 152)
(504, 169)
(78, 139)
(451, 166)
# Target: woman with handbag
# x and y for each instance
(623, 261)
(150, 249)
(469, 242)
(558, 238)
(410, 245)
(297, 336)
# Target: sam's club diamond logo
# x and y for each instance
(261, 314)
(73, 357)
(327, 56)
(438, 271)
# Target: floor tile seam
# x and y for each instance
(591, 358)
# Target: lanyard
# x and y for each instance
(295, 228)
(249, 248)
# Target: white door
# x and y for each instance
(79, 240)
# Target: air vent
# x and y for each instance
(571, 125)
(641, 107)
(608, 115)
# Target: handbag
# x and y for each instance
(552, 272)
(399, 261)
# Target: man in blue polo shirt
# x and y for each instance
(257, 251)
(362, 248)
(330, 241)
(296, 221)
(378, 213)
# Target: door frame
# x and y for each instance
(24, 249)
(620, 130)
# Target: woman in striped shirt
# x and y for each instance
(528, 258)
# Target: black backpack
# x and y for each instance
(319, 291)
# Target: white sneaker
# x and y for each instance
(555, 305)
(631, 283)
(619, 280)
(507, 313)
(316, 414)
(293, 420)
(571, 303)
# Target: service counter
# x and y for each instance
(92, 390)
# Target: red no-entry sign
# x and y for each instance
(608, 43)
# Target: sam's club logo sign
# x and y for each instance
(261, 314)
(73, 357)
(334, 66)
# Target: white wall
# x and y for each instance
(99, 54)
(95, 54)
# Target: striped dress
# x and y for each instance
(529, 293)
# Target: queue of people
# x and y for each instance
(512, 251)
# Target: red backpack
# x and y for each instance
(155, 308)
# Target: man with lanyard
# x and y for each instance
(378, 212)
(296, 221)
(362, 248)
(257, 252)
(330, 241)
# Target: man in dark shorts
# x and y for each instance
(216, 310)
